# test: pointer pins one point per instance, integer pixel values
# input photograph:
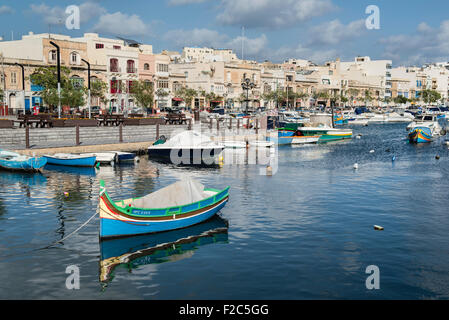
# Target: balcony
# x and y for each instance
(131, 70)
(115, 69)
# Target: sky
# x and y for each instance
(410, 32)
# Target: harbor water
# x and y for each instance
(306, 232)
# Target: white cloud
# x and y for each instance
(271, 13)
(184, 2)
(121, 24)
(334, 32)
(254, 47)
(425, 45)
(57, 16)
(6, 9)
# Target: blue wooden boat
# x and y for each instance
(17, 162)
(71, 160)
(125, 156)
(284, 137)
(180, 205)
(159, 248)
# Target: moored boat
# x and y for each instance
(327, 134)
(424, 129)
(305, 139)
(125, 156)
(420, 135)
(16, 162)
(186, 148)
(103, 157)
(180, 205)
(67, 159)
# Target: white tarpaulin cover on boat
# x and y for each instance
(188, 139)
(178, 194)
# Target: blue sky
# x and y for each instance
(411, 32)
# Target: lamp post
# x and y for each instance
(88, 85)
(247, 85)
(23, 84)
(58, 60)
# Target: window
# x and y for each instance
(113, 65)
(116, 47)
(99, 46)
(53, 55)
(74, 58)
(13, 78)
(130, 66)
(162, 84)
(146, 66)
(162, 67)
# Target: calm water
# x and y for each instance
(304, 233)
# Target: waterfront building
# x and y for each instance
(34, 51)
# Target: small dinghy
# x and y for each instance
(103, 157)
(17, 162)
(125, 156)
(186, 148)
(231, 144)
(261, 144)
(305, 139)
(180, 205)
(72, 160)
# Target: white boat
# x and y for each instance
(187, 148)
(261, 144)
(103, 157)
(125, 156)
(231, 144)
(305, 139)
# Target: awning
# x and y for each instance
(177, 99)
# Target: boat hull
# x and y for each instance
(75, 162)
(305, 139)
(192, 156)
(30, 165)
(420, 135)
(114, 223)
(335, 136)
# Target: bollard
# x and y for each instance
(157, 132)
(190, 124)
(77, 133)
(257, 126)
(230, 123)
(120, 133)
(210, 124)
(27, 137)
(238, 125)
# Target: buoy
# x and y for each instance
(358, 137)
(388, 150)
(356, 166)
(66, 194)
(98, 165)
(269, 171)
(394, 158)
(378, 228)
(372, 151)
(437, 157)
(137, 159)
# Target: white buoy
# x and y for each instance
(269, 171)
(358, 137)
(356, 166)
(372, 151)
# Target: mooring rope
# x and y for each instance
(56, 242)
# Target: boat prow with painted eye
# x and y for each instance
(13, 161)
(180, 205)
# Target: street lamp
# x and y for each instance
(88, 85)
(247, 85)
(58, 59)
(23, 84)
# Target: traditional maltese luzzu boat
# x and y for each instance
(180, 205)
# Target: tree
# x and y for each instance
(143, 93)
(400, 100)
(46, 77)
(187, 94)
(430, 96)
(161, 93)
(98, 89)
(368, 97)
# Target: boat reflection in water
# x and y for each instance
(83, 171)
(170, 246)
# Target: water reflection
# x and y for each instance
(171, 246)
(85, 171)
